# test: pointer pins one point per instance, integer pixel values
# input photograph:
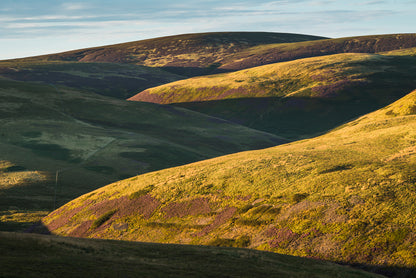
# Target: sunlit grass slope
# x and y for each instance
(297, 98)
(92, 140)
(48, 256)
(347, 196)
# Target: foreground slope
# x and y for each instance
(347, 196)
(59, 141)
(298, 98)
(49, 256)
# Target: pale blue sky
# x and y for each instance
(30, 27)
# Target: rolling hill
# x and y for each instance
(295, 99)
(347, 196)
(60, 141)
(49, 256)
(188, 54)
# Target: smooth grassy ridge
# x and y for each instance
(88, 140)
(189, 54)
(295, 99)
(347, 196)
(31, 255)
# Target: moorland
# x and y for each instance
(273, 154)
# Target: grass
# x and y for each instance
(347, 196)
(30, 255)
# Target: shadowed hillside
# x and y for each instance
(90, 140)
(347, 196)
(295, 99)
(110, 79)
(49, 256)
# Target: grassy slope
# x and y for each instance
(347, 196)
(297, 98)
(93, 140)
(48, 256)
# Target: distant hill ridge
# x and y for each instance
(203, 51)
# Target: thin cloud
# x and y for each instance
(75, 6)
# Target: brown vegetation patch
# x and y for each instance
(298, 208)
(333, 89)
(332, 216)
(144, 205)
(190, 207)
(220, 219)
(282, 236)
(82, 229)
(147, 97)
(65, 217)
(104, 206)
(326, 247)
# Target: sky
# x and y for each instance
(29, 27)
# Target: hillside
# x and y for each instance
(49, 256)
(295, 99)
(347, 196)
(90, 140)
(188, 54)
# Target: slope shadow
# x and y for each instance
(386, 270)
(293, 118)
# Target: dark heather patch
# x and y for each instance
(105, 206)
(333, 88)
(282, 237)
(66, 216)
(82, 230)
(220, 219)
(191, 207)
(120, 226)
(144, 205)
(147, 97)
